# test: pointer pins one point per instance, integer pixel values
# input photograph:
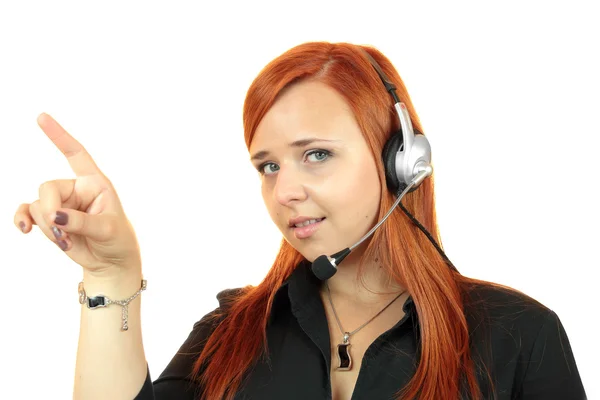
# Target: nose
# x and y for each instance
(289, 186)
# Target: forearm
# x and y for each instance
(111, 363)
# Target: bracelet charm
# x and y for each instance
(101, 301)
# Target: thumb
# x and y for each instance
(98, 227)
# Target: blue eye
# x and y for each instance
(261, 169)
(324, 154)
(320, 156)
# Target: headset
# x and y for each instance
(407, 163)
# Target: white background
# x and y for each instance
(507, 93)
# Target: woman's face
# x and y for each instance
(315, 164)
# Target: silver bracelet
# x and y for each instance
(100, 301)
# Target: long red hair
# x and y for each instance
(410, 259)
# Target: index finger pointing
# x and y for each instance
(80, 160)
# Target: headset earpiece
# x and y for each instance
(390, 149)
(395, 175)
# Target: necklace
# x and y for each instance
(343, 349)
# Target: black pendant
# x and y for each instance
(343, 353)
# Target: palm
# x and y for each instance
(92, 195)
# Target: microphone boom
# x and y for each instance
(324, 267)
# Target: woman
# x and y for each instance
(394, 319)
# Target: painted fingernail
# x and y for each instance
(62, 244)
(22, 226)
(57, 232)
(61, 218)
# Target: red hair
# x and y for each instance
(407, 255)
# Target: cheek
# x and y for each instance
(274, 209)
(358, 194)
(269, 203)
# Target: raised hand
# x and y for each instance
(83, 216)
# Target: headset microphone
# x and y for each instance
(407, 162)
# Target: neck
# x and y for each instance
(374, 288)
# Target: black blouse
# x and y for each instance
(521, 341)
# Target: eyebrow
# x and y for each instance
(261, 155)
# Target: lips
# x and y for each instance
(305, 231)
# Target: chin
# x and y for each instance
(311, 251)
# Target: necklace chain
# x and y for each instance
(348, 334)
